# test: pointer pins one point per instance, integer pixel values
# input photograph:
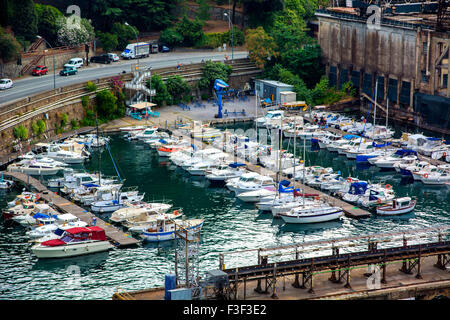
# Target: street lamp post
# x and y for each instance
(232, 35)
(53, 54)
(137, 40)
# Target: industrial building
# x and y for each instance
(270, 89)
(405, 50)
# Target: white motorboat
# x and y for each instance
(73, 242)
(137, 209)
(124, 199)
(230, 171)
(34, 167)
(163, 230)
(432, 145)
(257, 195)
(438, 177)
(57, 153)
(270, 116)
(312, 214)
(5, 183)
(398, 206)
(67, 221)
(249, 182)
(388, 162)
(377, 195)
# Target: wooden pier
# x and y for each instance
(115, 235)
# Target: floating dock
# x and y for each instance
(116, 236)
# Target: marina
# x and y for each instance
(219, 202)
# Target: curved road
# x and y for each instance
(33, 85)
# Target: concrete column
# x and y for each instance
(399, 87)
(411, 95)
(418, 58)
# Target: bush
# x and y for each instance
(162, 95)
(20, 132)
(171, 37)
(74, 124)
(35, 129)
(64, 119)
(91, 87)
(177, 87)
(106, 104)
(85, 101)
(108, 41)
(213, 71)
(9, 47)
(205, 96)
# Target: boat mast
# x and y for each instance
(387, 114)
(98, 153)
(375, 110)
(295, 142)
(304, 166)
(279, 153)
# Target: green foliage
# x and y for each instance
(162, 94)
(74, 124)
(85, 101)
(213, 71)
(261, 46)
(124, 34)
(217, 39)
(47, 17)
(177, 87)
(349, 89)
(91, 87)
(205, 96)
(106, 104)
(24, 19)
(203, 10)
(108, 41)
(190, 30)
(171, 37)
(20, 132)
(64, 119)
(34, 129)
(41, 125)
(9, 47)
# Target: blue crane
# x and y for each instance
(219, 86)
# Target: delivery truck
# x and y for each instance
(136, 50)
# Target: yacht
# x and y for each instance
(123, 200)
(312, 214)
(271, 116)
(57, 153)
(34, 167)
(225, 172)
(249, 182)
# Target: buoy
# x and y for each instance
(349, 179)
(388, 186)
(444, 155)
(425, 175)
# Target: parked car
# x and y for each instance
(68, 71)
(74, 62)
(163, 48)
(114, 57)
(104, 58)
(39, 71)
(6, 84)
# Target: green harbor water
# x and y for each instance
(229, 225)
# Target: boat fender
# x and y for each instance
(444, 155)
(388, 186)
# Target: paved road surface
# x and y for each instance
(33, 85)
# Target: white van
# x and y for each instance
(74, 62)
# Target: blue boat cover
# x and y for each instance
(285, 183)
(381, 145)
(406, 152)
(90, 185)
(372, 195)
(358, 188)
(236, 165)
(350, 136)
(115, 202)
(43, 216)
(433, 139)
(163, 141)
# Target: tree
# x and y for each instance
(171, 37)
(47, 17)
(73, 35)
(24, 19)
(106, 104)
(190, 30)
(20, 132)
(261, 46)
(108, 41)
(162, 95)
(9, 47)
(203, 10)
(177, 87)
(124, 34)
(213, 71)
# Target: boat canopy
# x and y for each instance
(90, 185)
(433, 139)
(405, 152)
(358, 188)
(53, 243)
(236, 165)
(350, 136)
(381, 145)
(92, 233)
(44, 216)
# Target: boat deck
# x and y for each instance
(116, 236)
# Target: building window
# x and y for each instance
(424, 76)
(444, 80)
(424, 48)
